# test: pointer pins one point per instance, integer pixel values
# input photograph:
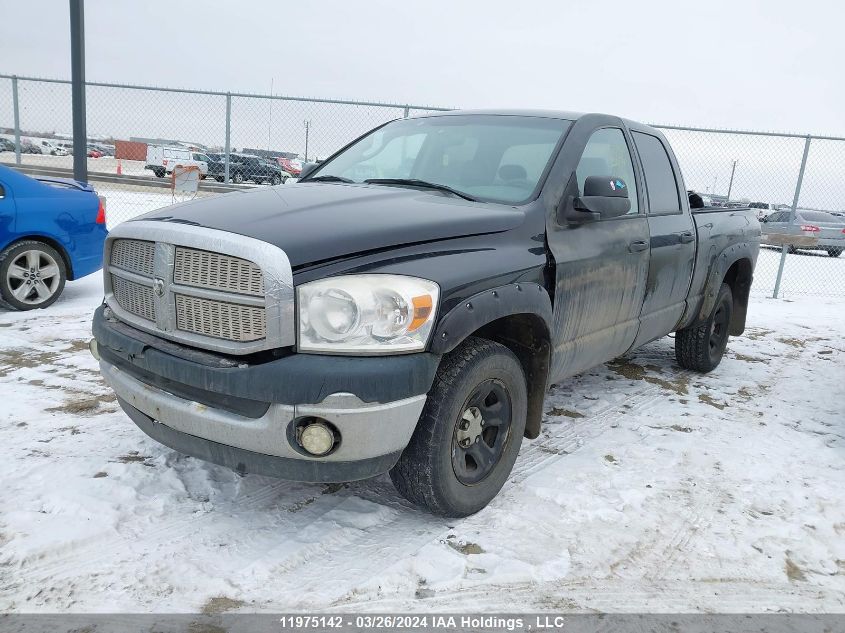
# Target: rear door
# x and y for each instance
(600, 266)
(672, 239)
(7, 214)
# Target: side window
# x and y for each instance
(606, 154)
(663, 198)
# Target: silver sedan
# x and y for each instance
(808, 230)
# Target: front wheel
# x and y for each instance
(701, 347)
(237, 178)
(468, 436)
(32, 275)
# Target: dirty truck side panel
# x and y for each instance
(673, 237)
(600, 267)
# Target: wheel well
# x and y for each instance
(739, 278)
(527, 336)
(50, 242)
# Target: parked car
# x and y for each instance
(52, 148)
(293, 166)
(406, 304)
(51, 230)
(6, 145)
(163, 160)
(28, 147)
(243, 167)
(808, 230)
(94, 152)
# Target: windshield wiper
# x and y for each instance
(328, 178)
(423, 184)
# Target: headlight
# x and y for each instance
(366, 314)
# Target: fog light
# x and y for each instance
(316, 438)
(92, 346)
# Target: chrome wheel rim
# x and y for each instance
(33, 277)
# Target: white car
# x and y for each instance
(163, 160)
(51, 148)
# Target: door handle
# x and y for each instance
(637, 246)
(686, 237)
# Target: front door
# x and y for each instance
(601, 266)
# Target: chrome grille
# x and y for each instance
(204, 269)
(133, 255)
(134, 297)
(220, 319)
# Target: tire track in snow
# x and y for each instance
(401, 532)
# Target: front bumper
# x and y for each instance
(244, 416)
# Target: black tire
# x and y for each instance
(237, 178)
(159, 173)
(426, 472)
(834, 252)
(218, 178)
(791, 250)
(276, 180)
(13, 285)
(701, 347)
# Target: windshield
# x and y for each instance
(489, 157)
(820, 216)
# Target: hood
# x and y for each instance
(314, 222)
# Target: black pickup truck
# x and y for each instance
(406, 304)
(243, 167)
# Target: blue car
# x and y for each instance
(51, 230)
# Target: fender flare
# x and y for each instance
(718, 270)
(518, 300)
(487, 306)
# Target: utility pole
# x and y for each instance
(731, 183)
(307, 129)
(77, 80)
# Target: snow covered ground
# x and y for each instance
(650, 489)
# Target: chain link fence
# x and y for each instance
(792, 178)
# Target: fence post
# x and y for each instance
(228, 135)
(784, 248)
(17, 117)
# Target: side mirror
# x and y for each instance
(307, 169)
(604, 197)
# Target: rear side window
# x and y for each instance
(660, 182)
(821, 217)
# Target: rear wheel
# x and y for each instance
(701, 347)
(468, 436)
(834, 252)
(32, 275)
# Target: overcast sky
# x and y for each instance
(772, 65)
